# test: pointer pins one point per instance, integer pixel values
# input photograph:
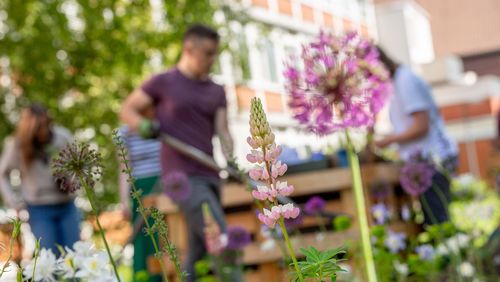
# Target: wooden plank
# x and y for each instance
(308, 183)
(253, 253)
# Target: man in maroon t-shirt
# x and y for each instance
(192, 108)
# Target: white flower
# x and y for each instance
(83, 250)
(401, 268)
(466, 269)
(96, 268)
(466, 179)
(46, 266)
(66, 264)
(442, 250)
(268, 245)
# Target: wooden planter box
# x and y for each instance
(334, 185)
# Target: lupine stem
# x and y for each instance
(290, 249)
(90, 196)
(361, 210)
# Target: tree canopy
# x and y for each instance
(81, 58)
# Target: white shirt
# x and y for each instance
(412, 95)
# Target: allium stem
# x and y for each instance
(90, 196)
(37, 253)
(361, 211)
(290, 249)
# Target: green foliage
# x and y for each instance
(320, 264)
(81, 58)
(341, 223)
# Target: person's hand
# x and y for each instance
(382, 143)
(149, 129)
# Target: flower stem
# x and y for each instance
(361, 211)
(136, 197)
(90, 196)
(37, 253)
(290, 249)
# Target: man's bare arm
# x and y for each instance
(222, 130)
(135, 104)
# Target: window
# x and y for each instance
(268, 56)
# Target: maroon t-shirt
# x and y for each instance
(185, 109)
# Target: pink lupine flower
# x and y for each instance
(255, 157)
(273, 153)
(278, 169)
(264, 193)
(289, 211)
(265, 155)
(283, 188)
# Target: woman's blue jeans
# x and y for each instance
(55, 224)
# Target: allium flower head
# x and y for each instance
(177, 185)
(416, 177)
(76, 163)
(342, 83)
(238, 237)
(315, 205)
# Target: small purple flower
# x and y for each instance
(176, 185)
(380, 213)
(395, 242)
(314, 205)
(416, 177)
(238, 237)
(405, 213)
(425, 252)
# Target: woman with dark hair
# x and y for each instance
(53, 217)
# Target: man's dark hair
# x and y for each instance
(201, 31)
(389, 63)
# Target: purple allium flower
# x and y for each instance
(380, 213)
(342, 84)
(425, 252)
(416, 177)
(75, 164)
(405, 213)
(238, 237)
(395, 242)
(314, 205)
(176, 185)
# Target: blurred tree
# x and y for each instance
(82, 57)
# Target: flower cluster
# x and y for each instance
(176, 185)
(83, 261)
(416, 175)
(75, 164)
(337, 83)
(267, 168)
